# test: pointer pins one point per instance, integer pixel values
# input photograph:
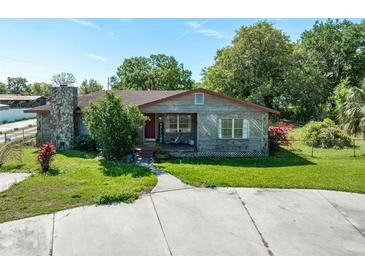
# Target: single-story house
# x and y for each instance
(190, 122)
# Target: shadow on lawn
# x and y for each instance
(78, 154)
(282, 158)
(115, 169)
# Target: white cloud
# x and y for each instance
(210, 33)
(85, 23)
(199, 28)
(111, 33)
(96, 57)
(194, 25)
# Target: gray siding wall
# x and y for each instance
(43, 129)
(208, 116)
(80, 126)
(255, 144)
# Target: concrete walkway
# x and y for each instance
(176, 219)
(7, 179)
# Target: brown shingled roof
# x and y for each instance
(144, 98)
(136, 97)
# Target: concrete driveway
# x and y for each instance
(176, 219)
(7, 179)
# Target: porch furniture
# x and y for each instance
(179, 139)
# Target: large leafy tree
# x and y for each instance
(157, 72)
(114, 125)
(3, 89)
(253, 67)
(329, 53)
(352, 111)
(304, 93)
(41, 88)
(337, 50)
(18, 86)
(89, 86)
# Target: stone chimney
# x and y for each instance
(62, 104)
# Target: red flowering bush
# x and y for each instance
(45, 156)
(279, 136)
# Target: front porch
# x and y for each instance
(178, 130)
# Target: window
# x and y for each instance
(226, 128)
(171, 125)
(184, 123)
(233, 128)
(178, 123)
(199, 98)
(238, 127)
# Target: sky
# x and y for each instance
(94, 48)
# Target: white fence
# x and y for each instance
(14, 114)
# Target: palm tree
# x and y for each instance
(352, 112)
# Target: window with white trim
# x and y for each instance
(178, 123)
(199, 98)
(171, 123)
(233, 128)
(226, 128)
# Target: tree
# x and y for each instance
(157, 72)
(89, 86)
(304, 93)
(3, 89)
(113, 125)
(63, 78)
(18, 86)
(352, 112)
(42, 89)
(337, 49)
(253, 66)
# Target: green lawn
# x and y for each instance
(77, 178)
(291, 167)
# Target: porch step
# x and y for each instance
(145, 151)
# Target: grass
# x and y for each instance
(291, 167)
(76, 178)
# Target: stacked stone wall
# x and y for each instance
(62, 104)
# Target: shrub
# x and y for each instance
(10, 152)
(110, 198)
(113, 125)
(45, 156)
(279, 136)
(325, 134)
(209, 185)
(84, 143)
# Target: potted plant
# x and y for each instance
(159, 153)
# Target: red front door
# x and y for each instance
(150, 127)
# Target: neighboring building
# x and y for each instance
(4, 107)
(16, 104)
(211, 123)
(22, 101)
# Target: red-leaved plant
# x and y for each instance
(279, 136)
(45, 156)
